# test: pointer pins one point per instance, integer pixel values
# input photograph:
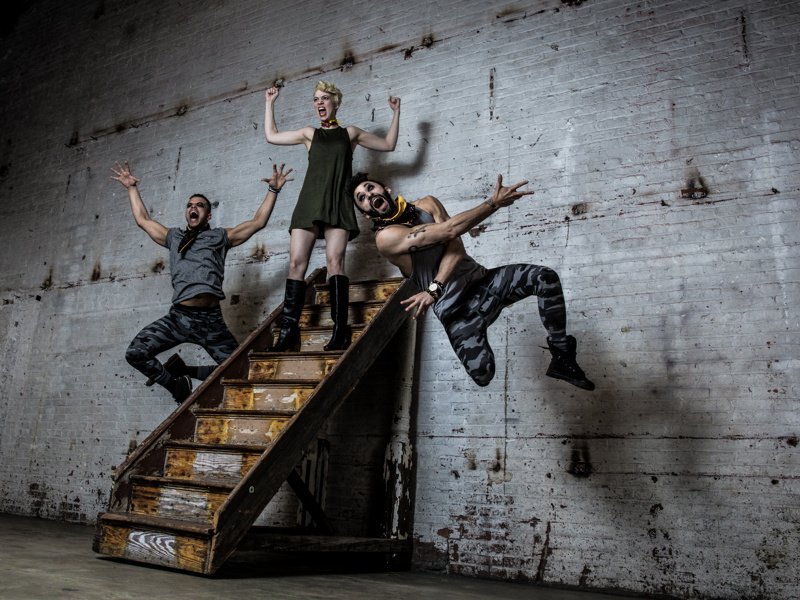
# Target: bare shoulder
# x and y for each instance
(432, 205)
(389, 234)
(353, 131)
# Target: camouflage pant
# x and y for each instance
(503, 286)
(204, 327)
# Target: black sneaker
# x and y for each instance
(563, 365)
(174, 366)
(181, 388)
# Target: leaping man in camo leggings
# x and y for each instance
(197, 265)
(424, 242)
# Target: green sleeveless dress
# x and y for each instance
(323, 199)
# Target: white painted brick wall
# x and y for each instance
(685, 310)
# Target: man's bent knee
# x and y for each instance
(136, 355)
(548, 276)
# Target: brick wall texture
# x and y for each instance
(663, 142)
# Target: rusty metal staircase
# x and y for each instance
(189, 494)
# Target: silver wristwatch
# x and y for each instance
(435, 289)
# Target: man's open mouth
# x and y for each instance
(378, 203)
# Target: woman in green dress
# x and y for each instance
(323, 208)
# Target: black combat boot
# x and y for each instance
(180, 387)
(293, 300)
(339, 290)
(563, 365)
(174, 366)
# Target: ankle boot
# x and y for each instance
(339, 289)
(564, 366)
(293, 300)
(180, 387)
(174, 366)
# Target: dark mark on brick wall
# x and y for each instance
(177, 168)
(492, 74)
(580, 208)
(259, 254)
(696, 187)
(584, 576)
(745, 47)
(427, 42)
(96, 272)
(546, 552)
(48, 282)
(498, 462)
(158, 266)
(348, 61)
(472, 465)
(580, 463)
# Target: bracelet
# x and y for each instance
(274, 190)
(491, 204)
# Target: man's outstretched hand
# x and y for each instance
(122, 173)
(279, 178)
(506, 196)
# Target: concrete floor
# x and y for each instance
(49, 560)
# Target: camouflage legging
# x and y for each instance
(503, 286)
(204, 327)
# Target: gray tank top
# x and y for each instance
(202, 270)
(425, 264)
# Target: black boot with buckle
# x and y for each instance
(293, 300)
(339, 290)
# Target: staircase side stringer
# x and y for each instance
(238, 513)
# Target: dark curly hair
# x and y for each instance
(355, 181)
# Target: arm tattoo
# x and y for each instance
(416, 231)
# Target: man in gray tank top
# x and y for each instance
(197, 265)
(424, 242)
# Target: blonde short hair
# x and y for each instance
(324, 86)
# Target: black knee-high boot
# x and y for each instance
(293, 300)
(339, 289)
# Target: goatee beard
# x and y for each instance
(391, 208)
